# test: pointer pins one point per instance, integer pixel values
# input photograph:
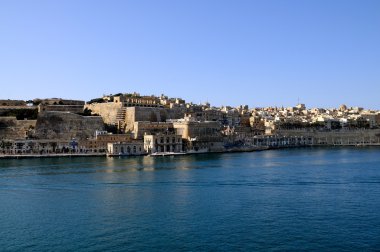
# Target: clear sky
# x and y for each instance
(259, 53)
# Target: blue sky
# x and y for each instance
(259, 53)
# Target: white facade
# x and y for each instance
(163, 143)
(127, 149)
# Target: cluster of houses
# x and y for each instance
(298, 117)
(131, 124)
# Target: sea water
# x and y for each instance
(292, 199)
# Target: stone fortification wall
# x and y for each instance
(58, 101)
(7, 108)
(108, 111)
(138, 114)
(19, 112)
(65, 126)
(64, 108)
(12, 103)
(11, 128)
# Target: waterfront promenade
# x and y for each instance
(51, 155)
(269, 145)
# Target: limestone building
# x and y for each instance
(142, 128)
(199, 136)
(133, 148)
(163, 143)
(100, 142)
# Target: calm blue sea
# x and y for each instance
(279, 200)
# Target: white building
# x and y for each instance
(163, 142)
(126, 149)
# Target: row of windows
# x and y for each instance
(128, 149)
(162, 139)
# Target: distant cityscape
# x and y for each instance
(133, 124)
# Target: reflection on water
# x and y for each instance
(297, 199)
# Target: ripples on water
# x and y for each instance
(299, 199)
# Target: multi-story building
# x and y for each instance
(101, 141)
(142, 128)
(133, 148)
(163, 142)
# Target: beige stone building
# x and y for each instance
(129, 100)
(196, 129)
(146, 128)
(163, 143)
(133, 148)
(199, 136)
(100, 142)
